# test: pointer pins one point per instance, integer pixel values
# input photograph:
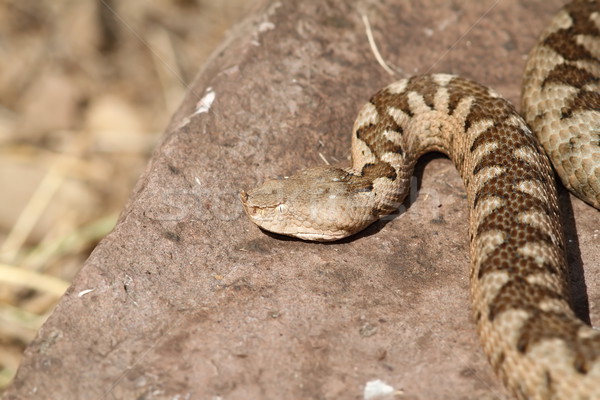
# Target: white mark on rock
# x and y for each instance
(377, 390)
(84, 292)
(266, 26)
(205, 102)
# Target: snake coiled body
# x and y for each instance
(530, 334)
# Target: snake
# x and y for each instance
(518, 281)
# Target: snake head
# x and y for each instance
(317, 204)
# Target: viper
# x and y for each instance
(519, 290)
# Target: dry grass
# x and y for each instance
(86, 88)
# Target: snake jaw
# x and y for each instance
(268, 217)
(254, 211)
(265, 215)
(298, 206)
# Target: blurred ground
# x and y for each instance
(86, 88)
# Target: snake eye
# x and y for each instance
(282, 209)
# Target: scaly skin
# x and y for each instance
(519, 273)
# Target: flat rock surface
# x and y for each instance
(187, 299)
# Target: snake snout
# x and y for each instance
(248, 208)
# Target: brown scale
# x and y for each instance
(371, 136)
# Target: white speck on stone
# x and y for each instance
(84, 292)
(205, 102)
(266, 26)
(377, 389)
